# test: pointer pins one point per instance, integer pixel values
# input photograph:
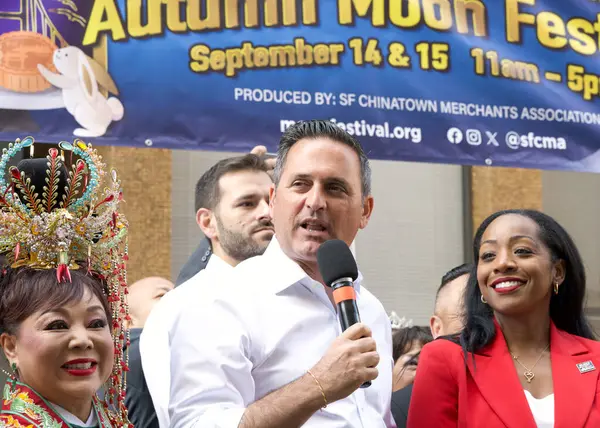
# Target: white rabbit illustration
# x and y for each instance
(79, 77)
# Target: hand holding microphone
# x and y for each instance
(351, 361)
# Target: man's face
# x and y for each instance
(449, 311)
(244, 227)
(319, 197)
(143, 295)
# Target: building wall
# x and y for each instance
(572, 198)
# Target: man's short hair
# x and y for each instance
(321, 128)
(453, 274)
(208, 193)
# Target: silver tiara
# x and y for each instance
(398, 322)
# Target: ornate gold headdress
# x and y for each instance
(75, 227)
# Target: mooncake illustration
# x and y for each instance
(43, 65)
(20, 54)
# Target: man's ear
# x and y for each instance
(367, 211)
(435, 325)
(206, 221)
(272, 195)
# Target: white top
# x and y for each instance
(271, 325)
(71, 419)
(155, 339)
(542, 409)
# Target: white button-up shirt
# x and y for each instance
(271, 324)
(155, 340)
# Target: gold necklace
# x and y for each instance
(528, 373)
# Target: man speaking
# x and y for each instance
(269, 350)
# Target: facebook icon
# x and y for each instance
(454, 135)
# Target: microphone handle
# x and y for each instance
(348, 312)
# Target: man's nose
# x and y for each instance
(262, 211)
(315, 199)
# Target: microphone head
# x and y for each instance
(336, 261)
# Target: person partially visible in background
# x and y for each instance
(407, 342)
(447, 319)
(143, 296)
(200, 257)
(449, 309)
(232, 206)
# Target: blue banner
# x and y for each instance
(497, 82)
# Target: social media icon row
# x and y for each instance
(472, 137)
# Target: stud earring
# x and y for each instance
(556, 287)
(483, 300)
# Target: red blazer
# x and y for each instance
(446, 393)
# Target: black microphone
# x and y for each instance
(339, 271)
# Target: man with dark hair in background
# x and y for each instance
(447, 319)
(199, 258)
(232, 210)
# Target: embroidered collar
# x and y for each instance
(22, 407)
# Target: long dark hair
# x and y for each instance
(566, 307)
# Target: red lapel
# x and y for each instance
(574, 392)
(495, 376)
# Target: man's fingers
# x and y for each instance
(356, 331)
(270, 163)
(259, 150)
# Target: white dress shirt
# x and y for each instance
(271, 325)
(155, 340)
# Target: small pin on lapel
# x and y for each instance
(586, 366)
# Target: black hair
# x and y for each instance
(566, 307)
(453, 274)
(321, 128)
(208, 192)
(404, 338)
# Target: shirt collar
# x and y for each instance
(283, 272)
(216, 263)
(74, 420)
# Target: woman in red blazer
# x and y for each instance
(527, 356)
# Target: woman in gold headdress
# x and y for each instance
(62, 291)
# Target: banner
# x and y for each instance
(496, 82)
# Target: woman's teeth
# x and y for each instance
(82, 366)
(507, 284)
